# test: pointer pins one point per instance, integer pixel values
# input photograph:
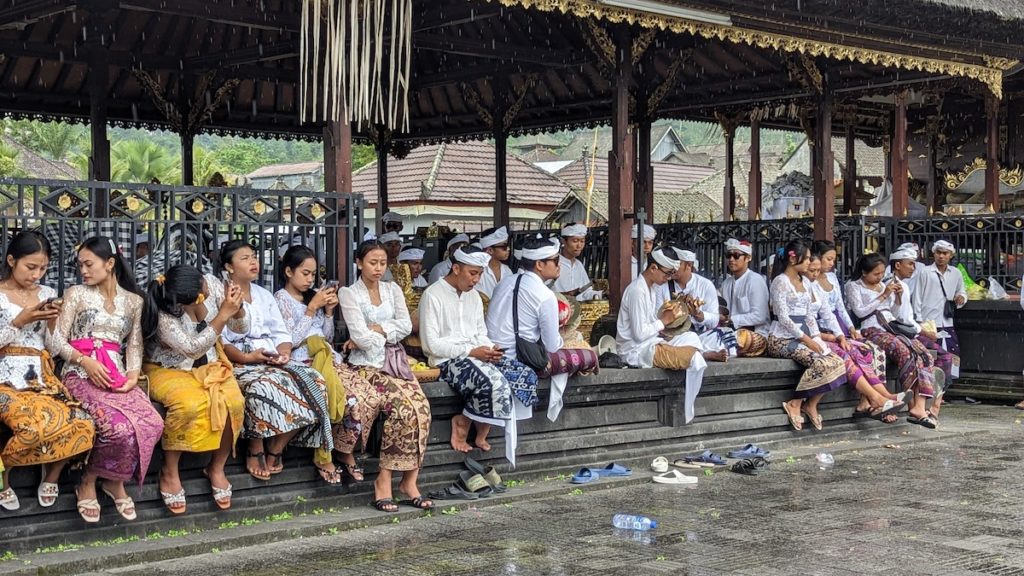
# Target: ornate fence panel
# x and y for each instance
(180, 224)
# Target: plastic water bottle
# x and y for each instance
(825, 461)
(631, 522)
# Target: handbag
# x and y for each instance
(949, 308)
(396, 362)
(533, 354)
(896, 327)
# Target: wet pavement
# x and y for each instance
(899, 504)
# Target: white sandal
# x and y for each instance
(9, 500)
(222, 496)
(124, 506)
(660, 464)
(47, 491)
(172, 501)
(88, 505)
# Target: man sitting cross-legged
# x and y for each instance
(454, 336)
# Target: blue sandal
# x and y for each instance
(707, 458)
(614, 469)
(748, 451)
(584, 476)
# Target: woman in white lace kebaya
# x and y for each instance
(191, 376)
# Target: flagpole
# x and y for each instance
(590, 178)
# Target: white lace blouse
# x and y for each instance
(788, 303)
(84, 316)
(179, 344)
(359, 313)
(302, 326)
(14, 368)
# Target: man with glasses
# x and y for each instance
(642, 320)
(697, 291)
(746, 298)
(573, 281)
(649, 235)
(494, 242)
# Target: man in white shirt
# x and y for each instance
(441, 269)
(494, 241)
(649, 235)
(537, 317)
(642, 319)
(393, 247)
(746, 298)
(699, 293)
(919, 266)
(904, 267)
(573, 279)
(453, 333)
(413, 258)
(390, 222)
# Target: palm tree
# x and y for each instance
(138, 160)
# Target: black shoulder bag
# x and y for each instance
(949, 307)
(533, 354)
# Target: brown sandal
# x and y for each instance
(261, 459)
(274, 470)
(797, 423)
(332, 477)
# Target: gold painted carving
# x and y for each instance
(659, 94)
(990, 74)
(1012, 177)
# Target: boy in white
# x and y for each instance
(441, 269)
(495, 242)
(649, 235)
(746, 298)
(573, 279)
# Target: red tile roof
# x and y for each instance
(669, 177)
(459, 173)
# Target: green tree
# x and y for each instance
(204, 165)
(141, 161)
(53, 140)
(9, 162)
(362, 154)
(244, 156)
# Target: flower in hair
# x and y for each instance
(792, 253)
(160, 279)
(200, 298)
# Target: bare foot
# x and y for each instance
(460, 431)
(717, 356)
(481, 443)
(482, 430)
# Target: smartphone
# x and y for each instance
(331, 284)
(50, 302)
(271, 354)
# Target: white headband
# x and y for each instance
(494, 238)
(542, 253)
(391, 217)
(142, 238)
(734, 244)
(942, 245)
(389, 237)
(411, 254)
(457, 239)
(663, 260)
(909, 246)
(649, 232)
(903, 254)
(574, 231)
(480, 259)
(687, 256)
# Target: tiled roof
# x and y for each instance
(285, 170)
(670, 177)
(583, 143)
(870, 161)
(461, 173)
(38, 167)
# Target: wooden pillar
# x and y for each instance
(1015, 131)
(645, 172)
(729, 191)
(992, 153)
(620, 172)
(821, 168)
(188, 160)
(338, 179)
(382, 147)
(500, 134)
(932, 184)
(754, 181)
(900, 184)
(850, 177)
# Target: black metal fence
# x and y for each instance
(988, 246)
(156, 226)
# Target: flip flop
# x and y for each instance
(706, 459)
(660, 464)
(748, 451)
(889, 407)
(475, 483)
(488, 473)
(681, 463)
(584, 476)
(797, 424)
(453, 492)
(674, 477)
(925, 422)
(745, 467)
(614, 469)
(47, 490)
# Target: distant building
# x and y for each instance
(303, 176)
(664, 143)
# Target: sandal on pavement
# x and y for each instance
(88, 509)
(796, 423)
(816, 420)
(47, 494)
(660, 465)
(453, 492)
(613, 469)
(745, 467)
(889, 407)
(584, 476)
(385, 505)
(748, 451)
(175, 503)
(681, 463)
(353, 471)
(124, 506)
(927, 422)
(488, 472)
(421, 503)
(706, 459)
(9, 500)
(475, 483)
(257, 473)
(674, 477)
(1019, 405)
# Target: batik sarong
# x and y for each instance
(865, 354)
(407, 422)
(487, 389)
(945, 361)
(750, 344)
(822, 373)
(279, 399)
(127, 428)
(914, 364)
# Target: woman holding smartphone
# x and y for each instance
(48, 427)
(309, 316)
(285, 401)
(190, 375)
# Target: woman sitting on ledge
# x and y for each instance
(47, 426)
(191, 376)
(794, 335)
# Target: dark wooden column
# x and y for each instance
(187, 160)
(186, 92)
(850, 177)
(821, 168)
(1015, 131)
(992, 153)
(729, 191)
(500, 135)
(932, 185)
(645, 173)
(338, 178)
(101, 15)
(383, 148)
(755, 180)
(620, 172)
(900, 185)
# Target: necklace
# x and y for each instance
(20, 292)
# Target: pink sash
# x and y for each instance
(100, 351)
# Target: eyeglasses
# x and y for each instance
(734, 255)
(664, 271)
